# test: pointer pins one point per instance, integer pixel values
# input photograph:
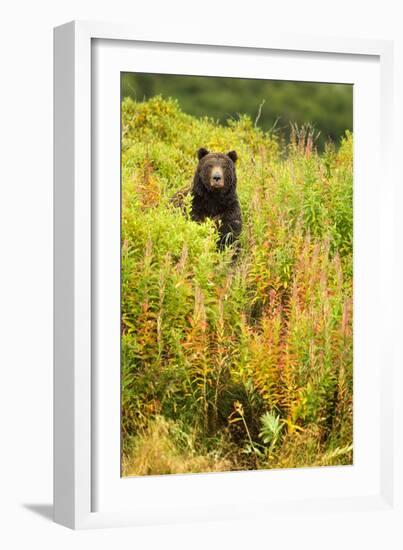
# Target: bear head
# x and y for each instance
(216, 171)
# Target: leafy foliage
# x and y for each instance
(269, 103)
(271, 429)
(234, 365)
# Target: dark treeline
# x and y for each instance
(273, 105)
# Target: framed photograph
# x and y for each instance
(223, 254)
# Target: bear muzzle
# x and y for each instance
(217, 178)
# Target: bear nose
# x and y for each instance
(216, 176)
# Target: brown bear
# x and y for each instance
(214, 194)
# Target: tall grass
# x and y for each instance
(234, 366)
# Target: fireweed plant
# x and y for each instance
(234, 365)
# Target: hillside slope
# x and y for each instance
(234, 366)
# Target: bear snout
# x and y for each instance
(217, 177)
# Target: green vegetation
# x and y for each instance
(328, 106)
(234, 366)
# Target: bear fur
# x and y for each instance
(214, 194)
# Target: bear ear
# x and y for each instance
(202, 152)
(232, 155)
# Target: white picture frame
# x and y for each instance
(88, 491)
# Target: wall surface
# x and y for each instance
(26, 253)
